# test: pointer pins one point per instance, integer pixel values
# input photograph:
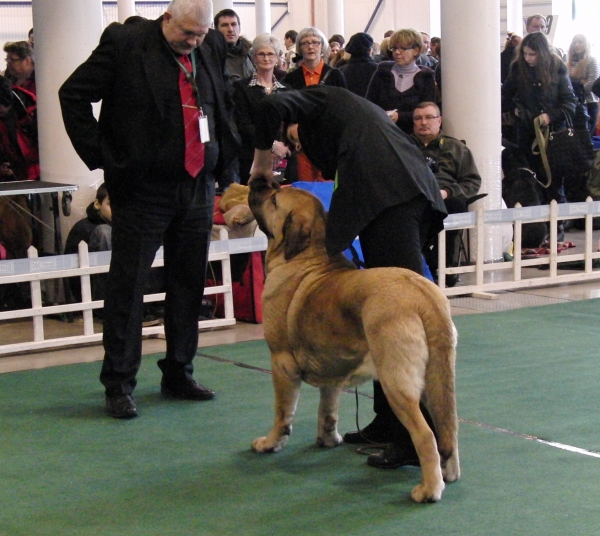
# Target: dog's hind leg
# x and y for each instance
(440, 399)
(408, 411)
(328, 435)
(287, 382)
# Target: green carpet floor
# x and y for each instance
(186, 468)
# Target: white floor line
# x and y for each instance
(576, 450)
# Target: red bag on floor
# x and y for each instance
(247, 293)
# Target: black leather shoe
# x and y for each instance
(121, 407)
(186, 390)
(394, 456)
(372, 433)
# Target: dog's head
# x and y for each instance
(292, 219)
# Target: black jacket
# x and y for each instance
(139, 137)
(532, 102)
(382, 91)
(358, 72)
(247, 99)
(330, 76)
(377, 166)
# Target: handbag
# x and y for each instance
(567, 152)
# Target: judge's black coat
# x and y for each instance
(377, 166)
(139, 137)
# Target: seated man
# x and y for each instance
(454, 168)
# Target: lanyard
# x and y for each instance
(191, 77)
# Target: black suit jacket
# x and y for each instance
(351, 139)
(139, 136)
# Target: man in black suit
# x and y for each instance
(163, 131)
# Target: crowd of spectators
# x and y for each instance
(398, 74)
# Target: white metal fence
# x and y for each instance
(511, 275)
(35, 270)
(479, 277)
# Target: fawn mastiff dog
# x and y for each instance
(334, 326)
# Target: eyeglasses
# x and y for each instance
(14, 60)
(420, 118)
(265, 55)
(306, 44)
(401, 49)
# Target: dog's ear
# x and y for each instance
(296, 235)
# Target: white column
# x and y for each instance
(471, 98)
(514, 17)
(263, 16)
(125, 9)
(59, 24)
(335, 18)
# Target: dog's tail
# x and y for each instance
(440, 390)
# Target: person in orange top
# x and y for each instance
(311, 49)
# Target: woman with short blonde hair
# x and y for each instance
(398, 86)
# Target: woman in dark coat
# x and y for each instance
(248, 93)
(398, 86)
(538, 85)
(386, 195)
(361, 66)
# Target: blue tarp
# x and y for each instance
(324, 191)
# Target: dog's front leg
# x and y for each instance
(286, 381)
(327, 435)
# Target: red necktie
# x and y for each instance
(194, 148)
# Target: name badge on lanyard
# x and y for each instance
(191, 78)
(203, 126)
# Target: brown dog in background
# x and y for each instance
(333, 326)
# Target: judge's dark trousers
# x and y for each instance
(180, 219)
(396, 238)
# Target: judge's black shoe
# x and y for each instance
(372, 433)
(121, 407)
(187, 389)
(394, 456)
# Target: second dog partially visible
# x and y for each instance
(333, 326)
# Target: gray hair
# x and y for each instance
(200, 10)
(265, 40)
(313, 32)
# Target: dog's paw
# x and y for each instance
(451, 469)
(423, 494)
(264, 446)
(330, 440)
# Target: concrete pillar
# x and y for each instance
(514, 17)
(471, 98)
(263, 16)
(125, 9)
(59, 24)
(335, 18)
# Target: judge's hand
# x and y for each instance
(393, 115)
(262, 167)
